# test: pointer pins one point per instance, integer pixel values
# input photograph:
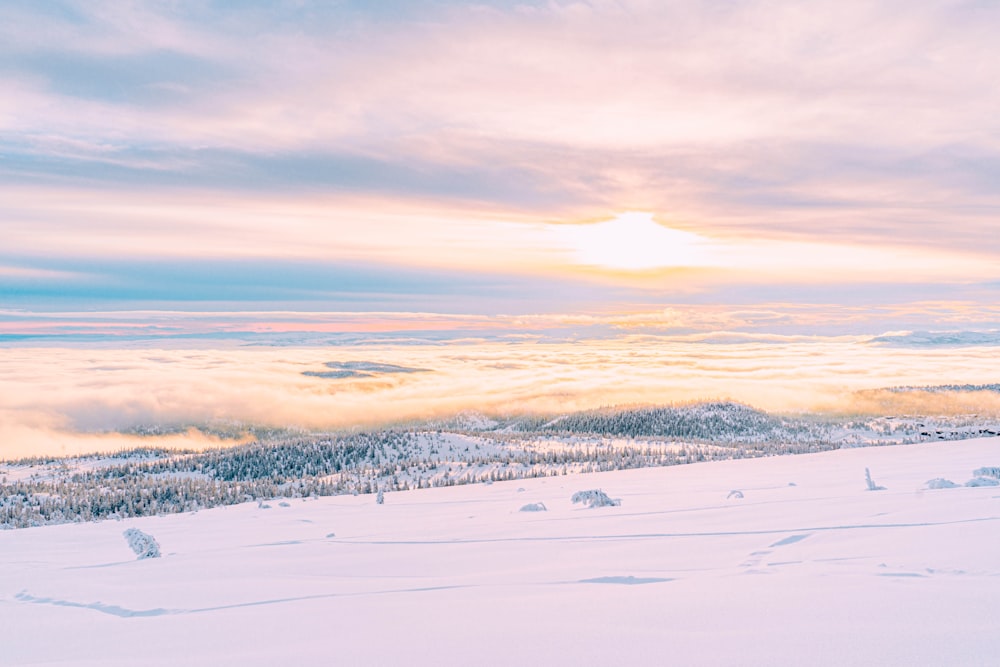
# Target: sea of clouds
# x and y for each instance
(65, 400)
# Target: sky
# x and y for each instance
(479, 157)
(207, 174)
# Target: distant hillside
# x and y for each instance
(941, 388)
(714, 421)
(469, 448)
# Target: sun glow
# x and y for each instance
(633, 242)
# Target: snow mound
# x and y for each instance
(143, 544)
(983, 481)
(735, 493)
(595, 498)
(940, 483)
(534, 507)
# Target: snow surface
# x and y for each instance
(819, 572)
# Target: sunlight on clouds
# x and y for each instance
(630, 247)
(632, 241)
(21, 441)
(635, 242)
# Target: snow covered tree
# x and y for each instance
(143, 544)
(872, 486)
(595, 498)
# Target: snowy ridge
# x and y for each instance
(284, 464)
(938, 338)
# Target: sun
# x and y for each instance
(632, 241)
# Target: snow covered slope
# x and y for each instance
(808, 567)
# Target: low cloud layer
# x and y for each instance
(52, 396)
(925, 402)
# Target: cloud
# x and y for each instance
(91, 390)
(868, 121)
(956, 323)
(924, 402)
(308, 283)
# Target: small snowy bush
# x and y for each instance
(983, 481)
(872, 486)
(534, 507)
(595, 498)
(941, 483)
(142, 543)
(735, 493)
(989, 471)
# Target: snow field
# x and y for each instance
(822, 572)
